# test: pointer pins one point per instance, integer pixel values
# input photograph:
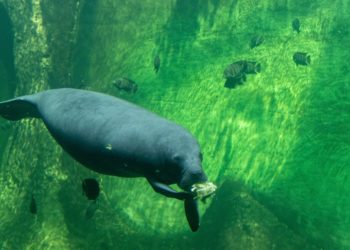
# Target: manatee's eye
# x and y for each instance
(177, 158)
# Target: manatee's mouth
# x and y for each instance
(203, 190)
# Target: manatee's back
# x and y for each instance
(102, 131)
(91, 116)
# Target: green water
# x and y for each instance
(276, 146)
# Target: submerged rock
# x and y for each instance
(236, 220)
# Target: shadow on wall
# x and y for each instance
(60, 21)
(92, 225)
(20, 221)
(235, 220)
(318, 168)
(16, 232)
(85, 36)
(181, 29)
(7, 68)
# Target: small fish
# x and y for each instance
(235, 74)
(296, 25)
(156, 63)
(252, 67)
(301, 58)
(256, 41)
(32, 207)
(125, 84)
(235, 70)
(91, 188)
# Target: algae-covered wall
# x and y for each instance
(277, 146)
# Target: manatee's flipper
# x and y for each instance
(192, 214)
(168, 191)
(17, 109)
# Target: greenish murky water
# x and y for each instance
(277, 145)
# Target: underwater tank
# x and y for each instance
(262, 84)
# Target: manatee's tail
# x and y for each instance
(18, 108)
(192, 214)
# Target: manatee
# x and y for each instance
(114, 137)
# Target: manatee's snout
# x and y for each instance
(189, 178)
(196, 183)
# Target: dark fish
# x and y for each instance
(235, 70)
(296, 25)
(252, 67)
(91, 188)
(32, 207)
(231, 83)
(156, 63)
(301, 58)
(125, 84)
(256, 41)
(235, 74)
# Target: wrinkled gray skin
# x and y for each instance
(114, 137)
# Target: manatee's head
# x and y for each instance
(186, 157)
(192, 178)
